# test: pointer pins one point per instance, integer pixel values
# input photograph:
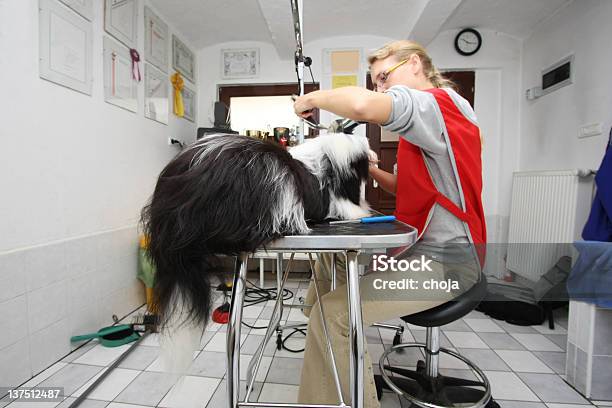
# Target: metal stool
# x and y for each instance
(425, 386)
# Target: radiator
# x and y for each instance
(548, 211)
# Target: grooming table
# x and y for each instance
(351, 239)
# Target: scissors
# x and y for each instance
(308, 121)
(338, 126)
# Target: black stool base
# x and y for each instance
(442, 390)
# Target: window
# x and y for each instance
(262, 113)
(557, 75)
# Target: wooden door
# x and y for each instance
(386, 149)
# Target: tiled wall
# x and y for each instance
(589, 350)
(51, 292)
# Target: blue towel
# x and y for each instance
(591, 277)
(599, 225)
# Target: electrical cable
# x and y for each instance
(295, 330)
(255, 295)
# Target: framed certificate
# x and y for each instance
(183, 59)
(240, 63)
(83, 7)
(156, 94)
(156, 40)
(65, 44)
(121, 20)
(189, 102)
(119, 87)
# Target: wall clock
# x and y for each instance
(468, 42)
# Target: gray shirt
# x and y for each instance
(417, 118)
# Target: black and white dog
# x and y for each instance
(227, 194)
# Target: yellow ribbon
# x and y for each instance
(177, 84)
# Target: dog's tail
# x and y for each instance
(184, 269)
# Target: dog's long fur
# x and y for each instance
(227, 194)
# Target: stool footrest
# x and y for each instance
(433, 391)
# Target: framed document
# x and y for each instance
(189, 102)
(121, 20)
(156, 94)
(183, 59)
(119, 87)
(156, 40)
(240, 63)
(83, 7)
(65, 44)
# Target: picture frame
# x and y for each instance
(82, 7)
(189, 102)
(156, 94)
(120, 88)
(156, 40)
(121, 21)
(240, 63)
(183, 59)
(65, 47)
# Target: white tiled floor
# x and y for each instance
(523, 364)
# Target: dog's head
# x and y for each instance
(340, 162)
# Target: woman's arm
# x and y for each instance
(349, 102)
(385, 180)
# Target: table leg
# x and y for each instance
(279, 281)
(356, 341)
(333, 271)
(261, 272)
(233, 330)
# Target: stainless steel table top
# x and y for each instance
(342, 237)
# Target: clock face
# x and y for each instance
(468, 42)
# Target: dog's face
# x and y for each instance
(340, 163)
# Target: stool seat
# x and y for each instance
(452, 310)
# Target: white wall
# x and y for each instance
(77, 164)
(550, 124)
(74, 173)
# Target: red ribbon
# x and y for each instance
(135, 59)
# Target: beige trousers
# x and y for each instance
(378, 305)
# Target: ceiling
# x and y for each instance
(517, 18)
(208, 22)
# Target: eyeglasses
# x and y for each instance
(382, 78)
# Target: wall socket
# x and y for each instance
(592, 129)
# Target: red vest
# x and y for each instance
(416, 193)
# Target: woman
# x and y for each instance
(437, 188)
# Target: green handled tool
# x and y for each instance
(112, 336)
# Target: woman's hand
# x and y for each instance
(303, 106)
(373, 158)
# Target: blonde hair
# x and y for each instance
(403, 49)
